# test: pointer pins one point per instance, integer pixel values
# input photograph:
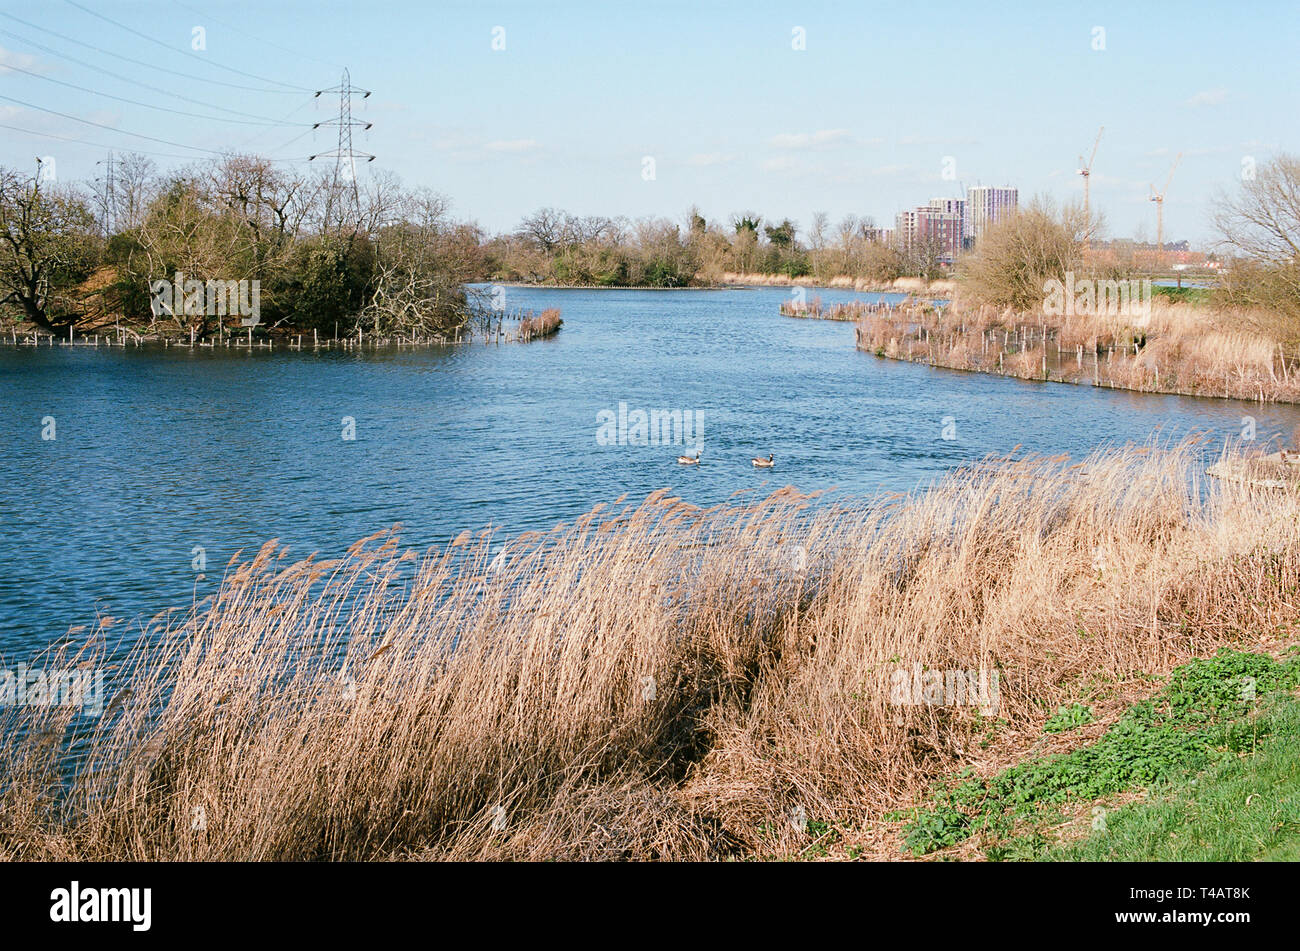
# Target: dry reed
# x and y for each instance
(658, 681)
(1175, 348)
(542, 325)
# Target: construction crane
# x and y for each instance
(1086, 172)
(1159, 198)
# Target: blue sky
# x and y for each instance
(862, 120)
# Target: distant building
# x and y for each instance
(905, 228)
(931, 224)
(942, 228)
(986, 204)
(955, 206)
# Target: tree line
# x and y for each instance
(392, 260)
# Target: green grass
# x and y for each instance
(1210, 713)
(1189, 295)
(1243, 808)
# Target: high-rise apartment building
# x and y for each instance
(986, 204)
(954, 206)
(930, 224)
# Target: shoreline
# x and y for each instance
(1172, 351)
(1028, 363)
(1102, 385)
(907, 286)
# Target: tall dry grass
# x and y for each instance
(656, 681)
(533, 327)
(901, 285)
(1174, 348)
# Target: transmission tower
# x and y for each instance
(110, 196)
(345, 159)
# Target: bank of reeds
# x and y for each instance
(847, 311)
(901, 285)
(657, 681)
(1174, 348)
(533, 327)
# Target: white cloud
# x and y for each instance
(821, 139)
(10, 58)
(1209, 97)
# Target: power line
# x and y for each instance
(284, 120)
(137, 102)
(119, 76)
(100, 145)
(100, 125)
(254, 36)
(168, 46)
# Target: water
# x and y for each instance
(162, 451)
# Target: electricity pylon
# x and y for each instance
(345, 158)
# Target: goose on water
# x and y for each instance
(763, 463)
(689, 460)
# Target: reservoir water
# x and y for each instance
(159, 452)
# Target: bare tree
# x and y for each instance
(1260, 228)
(47, 246)
(1262, 220)
(544, 226)
(422, 262)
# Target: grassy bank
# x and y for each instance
(654, 681)
(1244, 808)
(1235, 713)
(1175, 348)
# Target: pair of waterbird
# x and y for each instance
(757, 462)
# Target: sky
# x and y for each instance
(647, 109)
